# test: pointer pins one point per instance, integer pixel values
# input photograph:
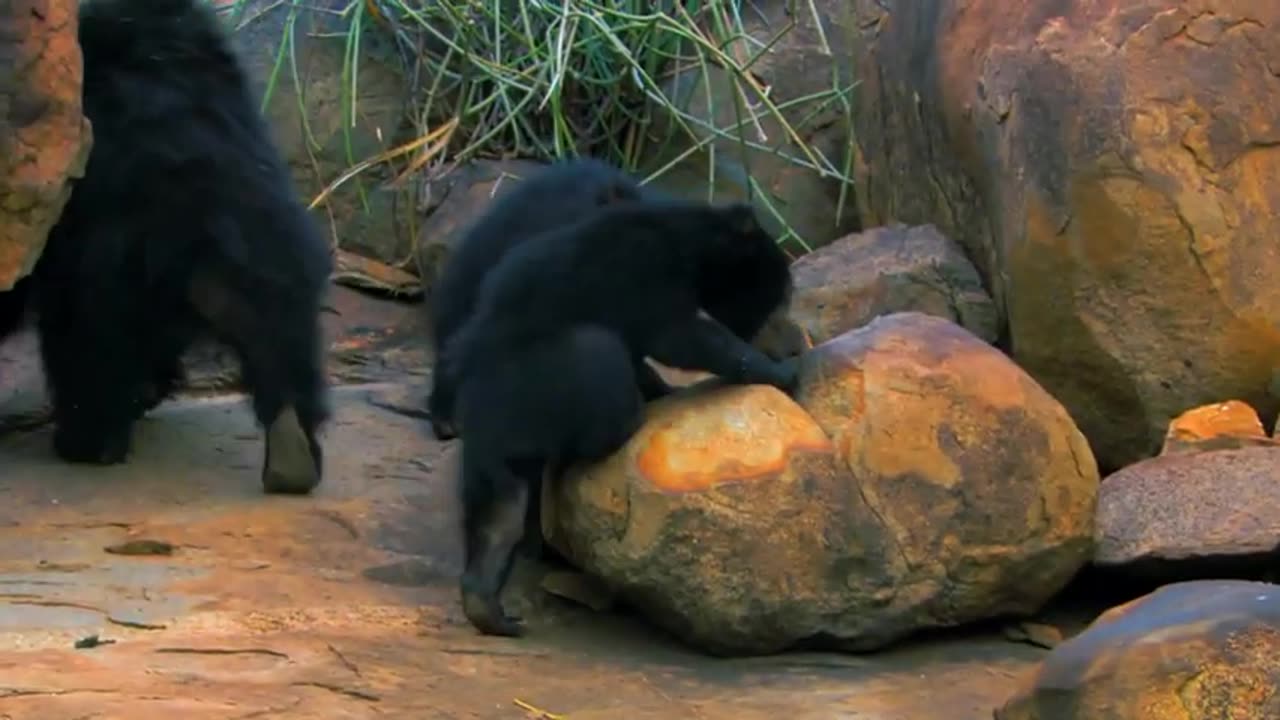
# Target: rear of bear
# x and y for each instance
(640, 271)
(184, 223)
(570, 397)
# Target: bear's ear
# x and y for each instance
(741, 217)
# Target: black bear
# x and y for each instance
(552, 196)
(641, 271)
(185, 223)
(568, 397)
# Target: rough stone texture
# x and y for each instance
(804, 59)
(343, 605)
(1220, 426)
(44, 136)
(1213, 504)
(1113, 168)
(984, 488)
(454, 202)
(846, 284)
(1204, 650)
(939, 485)
(729, 519)
(378, 223)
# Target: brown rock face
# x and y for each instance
(930, 483)
(44, 137)
(984, 487)
(457, 200)
(1214, 504)
(1220, 426)
(846, 284)
(1204, 650)
(1113, 168)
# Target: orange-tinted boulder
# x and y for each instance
(922, 480)
(984, 486)
(1220, 426)
(1191, 507)
(1202, 650)
(44, 137)
(885, 270)
(730, 520)
(1113, 169)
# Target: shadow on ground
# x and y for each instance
(342, 604)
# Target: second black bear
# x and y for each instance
(642, 271)
(567, 398)
(550, 197)
(185, 223)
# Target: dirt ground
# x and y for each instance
(343, 604)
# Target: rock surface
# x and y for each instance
(930, 483)
(454, 202)
(1186, 507)
(1220, 426)
(44, 136)
(896, 268)
(1112, 168)
(1204, 650)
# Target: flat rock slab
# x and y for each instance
(219, 602)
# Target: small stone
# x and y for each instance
(1038, 634)
(140, 546)
(578, 587)
(1220, 426)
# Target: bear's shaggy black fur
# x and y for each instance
(641, 271)
(570, 397)
(185, 223)
(550, 197)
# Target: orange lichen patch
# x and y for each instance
(1213, 427)
(725, 435)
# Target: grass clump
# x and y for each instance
(554, 78)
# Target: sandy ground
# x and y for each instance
(343, 604)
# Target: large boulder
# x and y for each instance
(889, 269)
(1191, 509)
(1112, 168)
(44, 136)
(921, 480)
(1203, 650)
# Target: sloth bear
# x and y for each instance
(537, 369)
(550, 197)
(570, 397)
(185, 223)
